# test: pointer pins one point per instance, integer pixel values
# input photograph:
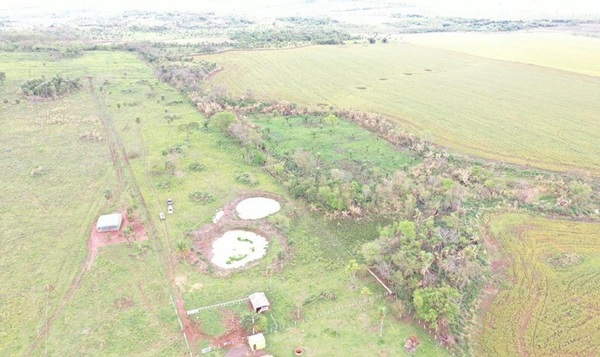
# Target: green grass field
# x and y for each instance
(47, 217)
(548, 306)
(558, 50)
(344, 144)
(123, 304)
(498, 110)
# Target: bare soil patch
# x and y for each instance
(206, 235)
(189, 327)
(97, 240)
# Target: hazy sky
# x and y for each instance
(467, 8)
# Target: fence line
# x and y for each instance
(222, 304)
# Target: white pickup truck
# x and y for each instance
(170, 206)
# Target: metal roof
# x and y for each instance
(109, 221)
(258, 300)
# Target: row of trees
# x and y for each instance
(186, 78)
(290, 37)
(442, 180)
(413, 23)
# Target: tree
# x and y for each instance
(332, 120)
(253, 322)
(352, 268)
(189, 128)
(221, 121)
(382, 312)
(437, 305)
(183, 248)
(108, 194)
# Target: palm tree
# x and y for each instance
(183, 248)
(382, 311)
(352, 268)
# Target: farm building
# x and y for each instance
(259, 302)
(257, 342)
(109, 222)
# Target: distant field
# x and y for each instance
(558, 50)
(549, 306)
(497, 110)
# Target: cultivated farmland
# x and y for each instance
(578, 54)
(497, 110)
(548, 306)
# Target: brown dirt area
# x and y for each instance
(98, 240)
(205, 236)
(234, 340)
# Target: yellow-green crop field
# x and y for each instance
(558, 50)
(499, 110)
(549, 306)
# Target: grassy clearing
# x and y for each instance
(344, 144)
(549, 304)
(562, 51)
(497, 110)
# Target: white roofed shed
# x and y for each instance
(109, 222)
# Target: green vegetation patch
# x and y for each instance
(201, 197)
(54, 87)
(565, 260)
(331, 144)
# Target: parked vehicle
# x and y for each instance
(162, 215)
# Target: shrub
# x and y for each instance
(221, 121)
(246, 178)
(196, 166)
(201, 197)
(163, 185)
(565, 260)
